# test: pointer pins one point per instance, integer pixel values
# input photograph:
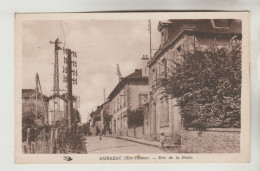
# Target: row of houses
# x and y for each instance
(141, 88)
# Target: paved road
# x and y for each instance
(119, 146)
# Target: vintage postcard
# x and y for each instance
(132, 87)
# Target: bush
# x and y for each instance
(135, 117)
(207, 86)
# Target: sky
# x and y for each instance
(100, 45)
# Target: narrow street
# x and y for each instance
(115, 145)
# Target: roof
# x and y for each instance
(207, 25)
(63, 97)
(136, 74)
(134, 78)
(177, 27)
(57, 95)
(96, 112)
(30, 94)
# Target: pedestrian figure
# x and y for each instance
(162, 140)
(100, 136)
(110, 132)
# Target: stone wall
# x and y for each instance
(211, 141)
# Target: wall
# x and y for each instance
(159, 105)
(134, 91)
(51, 107)
(137, 132)
(212, 141)
(130, 101)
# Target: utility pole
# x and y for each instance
(36, 95)
(104, 95)
(56, 89)
(68, 71)
(150, 29)
(56, 66)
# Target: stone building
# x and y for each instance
(58, 108)
(128, 96)
(95, 121)
(100, 119)
(177, 37)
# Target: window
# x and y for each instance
(117, 103)
(142, 99)
(164, 61)
(179, 49)
(162, 112)
(154, 78)
(167, 110)
(114, 106)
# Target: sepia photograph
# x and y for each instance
(132, 87)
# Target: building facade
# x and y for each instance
(58, 108)
(100, 119)
(127, 96)
(178, 37)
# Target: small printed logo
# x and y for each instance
(68, 158)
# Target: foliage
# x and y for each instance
(207, 86)
(76, 116)
(135, 117)
(29, 117)
(86, 128)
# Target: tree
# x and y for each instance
(29, 117)
(207, 86)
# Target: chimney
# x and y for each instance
(145, 69)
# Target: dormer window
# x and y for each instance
(164, 36)
(163, 27)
